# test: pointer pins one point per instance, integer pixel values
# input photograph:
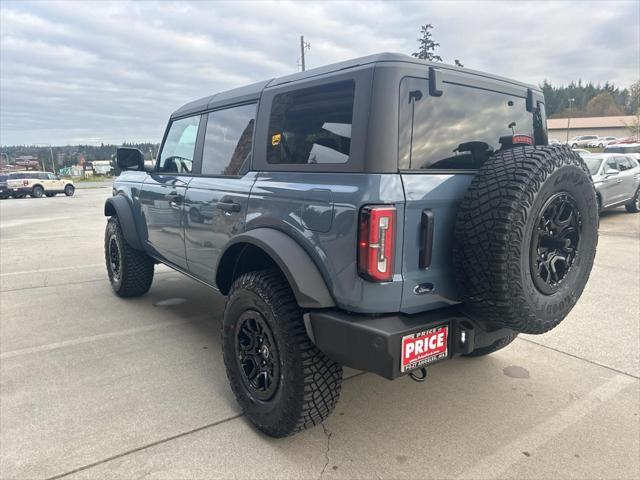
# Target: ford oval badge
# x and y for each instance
(423, 288)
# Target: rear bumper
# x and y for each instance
(373, 344)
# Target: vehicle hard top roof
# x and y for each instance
(253, 91)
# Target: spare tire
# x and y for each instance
(525, 237)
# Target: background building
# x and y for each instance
(620, 126)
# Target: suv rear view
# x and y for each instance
(383, 214)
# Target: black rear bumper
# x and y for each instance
(373, 344)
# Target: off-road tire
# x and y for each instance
(494, 235)
(497, 345)
(37, 192)
(309, 382)
(634, 205)
(135, 266)
(69, 190)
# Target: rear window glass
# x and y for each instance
(312, 125)
(461, 129)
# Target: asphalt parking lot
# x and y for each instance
(93, 386)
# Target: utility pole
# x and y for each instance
(303, 46)
(571, 100)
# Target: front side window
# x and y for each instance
(312, 125)
(228, 140)
(462, 128)
(179, 146)
(624, 163)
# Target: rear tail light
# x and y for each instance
(25, 182)
(376, 234)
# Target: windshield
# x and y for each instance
(593, 163)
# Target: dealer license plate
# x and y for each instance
(422, 348)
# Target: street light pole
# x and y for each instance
(571, 100)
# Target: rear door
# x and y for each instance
(613, 190)
(163, 192)
(215, 205)
(443, 140)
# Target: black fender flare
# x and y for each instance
(119, 206)
(303, 276)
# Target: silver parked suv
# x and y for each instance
(617, 180)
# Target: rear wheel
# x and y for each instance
(283, 383)
(69, 190)
(37, 191)
(130, 271)
(634, 205)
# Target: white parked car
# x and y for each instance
(581, 140)
(601, 142)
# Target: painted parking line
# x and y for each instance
(48, 270)
(93, 338)
(27, 221)
(496, 464)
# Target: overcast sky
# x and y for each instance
(92, 72)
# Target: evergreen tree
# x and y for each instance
(427, 46)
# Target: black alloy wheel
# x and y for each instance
(257, 355)
(555, 243)
(115, 260)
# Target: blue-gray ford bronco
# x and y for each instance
(383, 213)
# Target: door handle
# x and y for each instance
(228, 206)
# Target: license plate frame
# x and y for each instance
(424, 347)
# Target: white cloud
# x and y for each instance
(114, 71)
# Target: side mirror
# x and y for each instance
(129, 159)
(610, 172)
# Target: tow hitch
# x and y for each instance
(419, 375)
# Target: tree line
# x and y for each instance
(68, 155)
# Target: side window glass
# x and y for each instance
(52, 176)
(179, 146)
(624, 163)
(43, 176)
(611, 164)
(312, 125)
(228, 140)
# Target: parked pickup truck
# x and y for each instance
(382, 213)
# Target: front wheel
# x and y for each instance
(634, 205)
(130, 271)
(283, 383)
(69, 190)
(37, 191)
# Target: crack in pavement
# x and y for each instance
(184, 434)
(328, 434)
